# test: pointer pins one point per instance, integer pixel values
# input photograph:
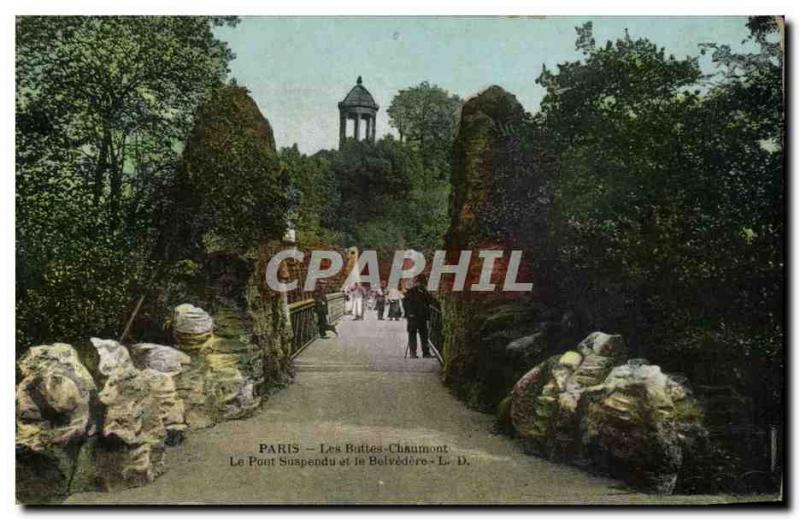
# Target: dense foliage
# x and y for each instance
(230, 192)
(651, 198)
(426, 117)
(669, 204)
(103, 105)
(387, 195)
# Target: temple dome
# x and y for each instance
(358, 97)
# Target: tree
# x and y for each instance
(103, 105)
(379, 197)
(313, 195)
(426, 117)
(669, 202)
(121, 90)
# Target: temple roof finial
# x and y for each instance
(358, 81)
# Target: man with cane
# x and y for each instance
(416, 306)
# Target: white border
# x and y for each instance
(311, 7)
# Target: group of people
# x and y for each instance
(360, 298)
(413, 304)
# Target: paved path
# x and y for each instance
(358, 389)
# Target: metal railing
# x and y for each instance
(435, 332)
(303, 317)
(335, 306)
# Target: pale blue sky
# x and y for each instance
(298, 69)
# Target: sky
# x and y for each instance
(298, 68)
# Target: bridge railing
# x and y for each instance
(435, 331)
(335, 306)
(303, 317)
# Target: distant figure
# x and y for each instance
(321, 308)
(416, 305)
(380, 300)
(393, 297)
(357, 294)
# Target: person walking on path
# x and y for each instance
(393, 297)
(380, 300)
(416, 305)
(321, 308)
(357, 293)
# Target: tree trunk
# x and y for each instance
(101, 167)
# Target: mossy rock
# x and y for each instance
(230, 346)
(505, 316)
(84, 477)
(228, 324)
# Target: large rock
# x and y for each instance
(637, 424)
(113, 355)
(215, 390)
(629, 420)
(226, 367)
(54, 418)
(160, 357)
(142, 413)
(192, 326)
(53, 398)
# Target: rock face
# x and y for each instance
(493, 206)
(54, 401)
(216, 386)
(486, 122)
(142, 413)
(629, 420)
(53, 398)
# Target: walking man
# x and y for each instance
(380, 300)
(321, 308)
(416, 306)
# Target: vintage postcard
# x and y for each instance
(400, 260)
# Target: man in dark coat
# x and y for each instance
(321, 308)
(380, 300)
(416, 307)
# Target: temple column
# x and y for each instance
(356, 133)
(342, 127)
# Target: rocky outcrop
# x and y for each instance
(490, 122)
(215, 390)
(142, 413)
(192, 326)
(627, 419)
(215, 386)
(496, 202)
(73, 438)
(53, 398)
(54, 418)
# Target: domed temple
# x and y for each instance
(357, 106)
